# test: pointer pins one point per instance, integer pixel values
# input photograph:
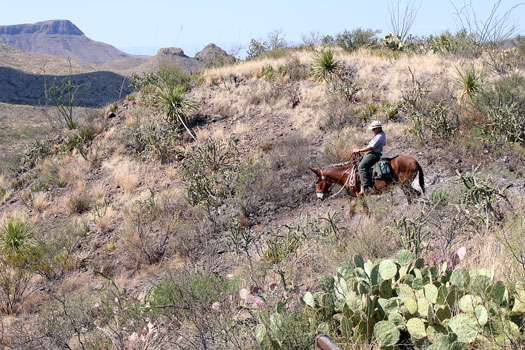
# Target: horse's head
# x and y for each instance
(323, 184)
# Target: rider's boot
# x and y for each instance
(365, 190)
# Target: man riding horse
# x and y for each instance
(373, 154)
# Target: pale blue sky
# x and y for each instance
(141, 26)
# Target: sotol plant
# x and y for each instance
(325, 66)
(402, 301)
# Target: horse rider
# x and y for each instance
(373, 154)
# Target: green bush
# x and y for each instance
(153, 139)
(357, 38)
(204, 302)
(438, 122)
(36, 151)
(341, 79)
(274, 46)
(19, 254)
(213, 173)
(284, 330)
(503, 104)
(447, 43)
(402, 301)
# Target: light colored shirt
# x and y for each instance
(378, 142)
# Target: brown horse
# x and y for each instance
(404, 169)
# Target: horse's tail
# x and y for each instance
(421, 177)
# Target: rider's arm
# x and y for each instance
(366, 149)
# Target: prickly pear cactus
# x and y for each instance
(401, 300)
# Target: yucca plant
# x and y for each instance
(469, 81)
(177, 107)
(14, 237)
(325, 66)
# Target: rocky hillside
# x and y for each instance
(210, 56)
(132, 233)
(59, 38)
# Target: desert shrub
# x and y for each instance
(78, 202)
(262, 190)
(212, 171)
(402, 301)
(340, 79)
(168, 74)
(339, 147)
(19, 254)
(503, 104)
(274, 46)
(205, 302)
(294, 69)
(106, 319)
(338, 113)
(58, 248)
(481, 198)
(36, 151)
(172, 75)
(80, 141)
(357, 38)
(153, 139)
(281, 329)
(438, 122)
(150, 224)
(49, 173)
(459, 44)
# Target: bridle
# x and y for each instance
(349, 181)
(325, 179)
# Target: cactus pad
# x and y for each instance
(465, 327)
(387, 269)
(404, 257)
(460, 278)
(386, 333)
(416, 328)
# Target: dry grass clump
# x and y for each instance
(39, 201)
(78, 202)
(126, 175)
(104, 217)
(3, 181)
(339, 147)
(74, 171)
(98, 193)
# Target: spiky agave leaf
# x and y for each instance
(325, 65)
(174, 103)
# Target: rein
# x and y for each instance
(350, 181)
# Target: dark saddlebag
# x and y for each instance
(383, 170)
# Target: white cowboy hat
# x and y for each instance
(375, 124)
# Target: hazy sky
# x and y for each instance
(142, 26)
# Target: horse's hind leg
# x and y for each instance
(410, 192)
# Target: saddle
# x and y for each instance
(382, 170)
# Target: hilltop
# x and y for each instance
(59, 38)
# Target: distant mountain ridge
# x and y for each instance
(57, 27)
(59, 38)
